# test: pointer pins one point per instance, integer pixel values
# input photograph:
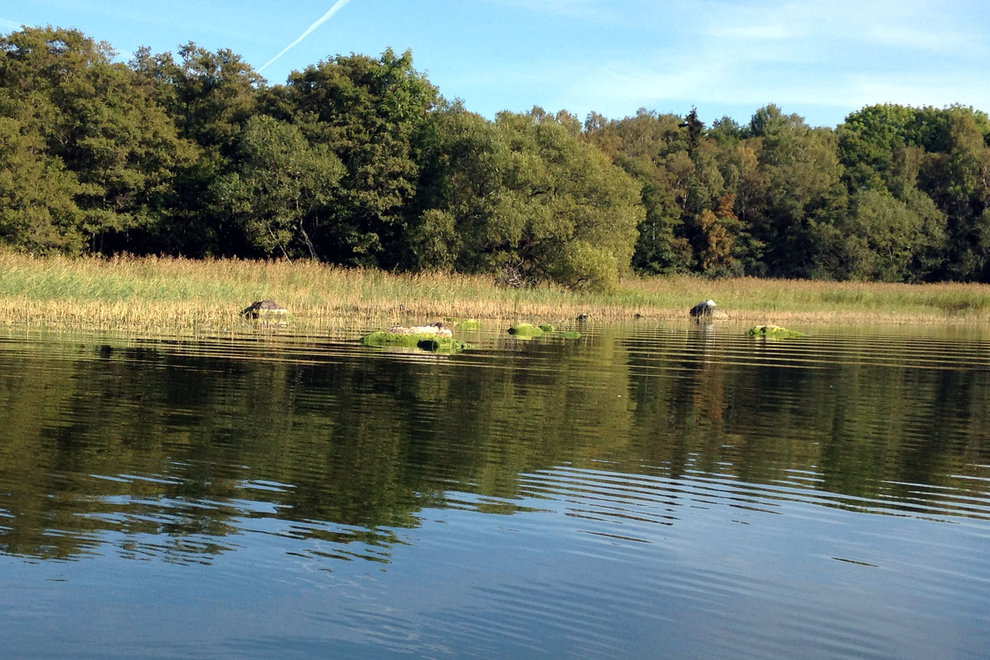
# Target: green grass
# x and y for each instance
(167, 294)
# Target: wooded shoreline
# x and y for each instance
(361, 162)
(154, 294)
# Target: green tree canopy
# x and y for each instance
(280, 187)
(368, 112)
(529, 198)
(38, 211)
(358, 160)
(85, 109)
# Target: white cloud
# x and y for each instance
(917, 25)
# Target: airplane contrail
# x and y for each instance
(337, 6)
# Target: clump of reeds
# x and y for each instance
(174, 294)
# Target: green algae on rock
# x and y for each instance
(425, 342)
(525, 330)
(773, 332)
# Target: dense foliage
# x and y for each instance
(360, 161)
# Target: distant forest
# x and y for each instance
(360, 161)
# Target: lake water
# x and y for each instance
(644, 491)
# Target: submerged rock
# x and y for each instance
(707, 310)
(261, 308)
(773, 332)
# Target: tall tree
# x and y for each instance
(210, 97)
(868, 142)
(367, 111)
(955, 173)
(115, 138)
(654, 150)
(38, 211)
(879, 238)
(799, 179)
(924, 158)
(462, 156)
(529, 198)
(280, 184)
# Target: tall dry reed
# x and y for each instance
(172, 294)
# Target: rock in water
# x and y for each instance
(707, 310)
(261, 308)
(437, 328)
(432, 341)
(525, 330)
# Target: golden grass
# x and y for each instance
(169, 295)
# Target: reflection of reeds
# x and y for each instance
(166, 293)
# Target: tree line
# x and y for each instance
(360, 161)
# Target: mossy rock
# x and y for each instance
(384, 338)
(568, 334)
(546, 327)
(432, 343)
(525, 330)
(773, 332)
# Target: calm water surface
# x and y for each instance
(644, 491)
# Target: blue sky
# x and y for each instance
(821, 60)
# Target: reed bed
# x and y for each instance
(151, 294)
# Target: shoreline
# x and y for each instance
(162, 294)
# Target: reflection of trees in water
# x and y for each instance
(861, 430)
(174, 456)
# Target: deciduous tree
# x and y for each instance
(367, 110)
(279, 188)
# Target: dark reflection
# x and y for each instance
(176, 451)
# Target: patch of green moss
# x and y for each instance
(546, 327)
(525, 330)
(383, 338)
(568, 334)
(424, 342)
(773, 332)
